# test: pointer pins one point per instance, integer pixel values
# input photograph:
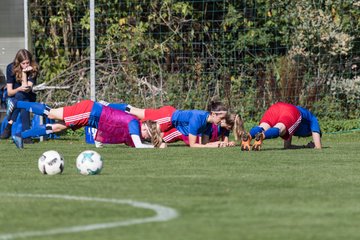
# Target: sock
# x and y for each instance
(37, 108)
(272, 133)
(119, 106)
(49, 129)
(255, 130)
(39, 131)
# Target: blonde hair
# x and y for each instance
(154, 132)
(21, 56)
(236, 124)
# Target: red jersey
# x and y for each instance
(284, 113)
(161, 115)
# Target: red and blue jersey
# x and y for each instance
(192, 122)
(114, 126)
(161, 115)
(96, 111)
(308, 124)
(284, 113)
(297, 120)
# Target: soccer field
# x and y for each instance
(196, 193)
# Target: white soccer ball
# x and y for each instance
(51, 163)
(89, 163)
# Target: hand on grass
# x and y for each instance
(163, 145)
(231, 144)
(311, 144)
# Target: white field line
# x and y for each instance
(162, 214)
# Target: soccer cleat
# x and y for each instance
(18, 141)
(11, 103)
(259, 138)
(245, 142)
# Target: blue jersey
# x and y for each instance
(133, 125)
(309, 123)
(192, 122)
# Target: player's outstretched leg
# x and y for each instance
(34, 107)
(18, 141)
(245, 142)
(259, 138)
(41, 130)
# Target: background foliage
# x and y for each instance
(249, 54)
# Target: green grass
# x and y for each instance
(219, 193)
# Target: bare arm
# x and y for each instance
(137, 142)
(138, 112)
(12, 92)
(56, 113)
(24, 79)
(58, 127)
(317, 140)
(26, 85)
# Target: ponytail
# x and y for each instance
(154, 132)
(237, 125)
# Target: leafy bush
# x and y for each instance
(329, 126)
